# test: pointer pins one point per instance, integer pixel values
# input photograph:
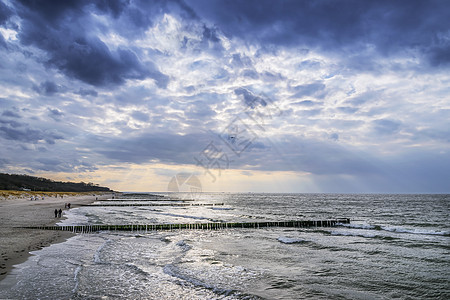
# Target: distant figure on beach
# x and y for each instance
(56, 213)
(59, 213)
(68, 205)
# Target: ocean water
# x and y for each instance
(396, 247)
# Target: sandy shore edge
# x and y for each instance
(16, 243)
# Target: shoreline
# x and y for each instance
(16, 243)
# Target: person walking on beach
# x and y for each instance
(68, 205)
(56, 213)
(59, 213)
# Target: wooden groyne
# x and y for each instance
(153, 204)
(155, 199)
(193, 226)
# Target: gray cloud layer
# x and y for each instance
(353, 89)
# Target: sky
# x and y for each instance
(242, 96)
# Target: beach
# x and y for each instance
(395, 246)
(18, 211)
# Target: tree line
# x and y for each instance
(25, 182)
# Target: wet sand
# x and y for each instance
(16, 242)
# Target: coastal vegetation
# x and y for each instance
(15, 182)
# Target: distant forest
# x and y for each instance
(25, 182)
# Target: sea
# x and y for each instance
(395, 247)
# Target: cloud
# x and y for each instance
(48, 88)
(5, 13)
(311, 89)
(72, 50)
(29, 135)
(10, 113)
(87, 84)
(87, 92)
(389, 26)
(55, 114)
(162, 147)
(385, 126)
(11, 123)
(250, 99)
(308, 103)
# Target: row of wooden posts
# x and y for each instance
(153, 204)
(194, 226)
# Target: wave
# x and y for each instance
(368, 235)
(182, 244)
(97, 258)
(358, 226)
(286, 240)
(75, 278)
(415, 231)
(137, 269)
(175, 272)
(184, 216)
(397, 229)
(221, 208)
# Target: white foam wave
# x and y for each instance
(75, 278)
(357, 226)
(174, 271)
(286, 240)
(184, 216)
(182, 244)
(343, 233)
(137, 269)
(415, 231)
(397, 229)
(99, 250)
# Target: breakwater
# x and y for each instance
(153, 204)
(195, 226)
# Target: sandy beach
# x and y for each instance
(15, 212)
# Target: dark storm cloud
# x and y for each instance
(296, 154)
(47, 88)
(319, 157)
(28, 135)
(55, 114)
(10, 113)
(163, 147)
(334, 25)
(11, 123)
(56, 164)
(62, 30)
(385, 126)
(210, 34)
(3, 162)
(2, 42)
(5, 13)
(87, 92)
(249, 98)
